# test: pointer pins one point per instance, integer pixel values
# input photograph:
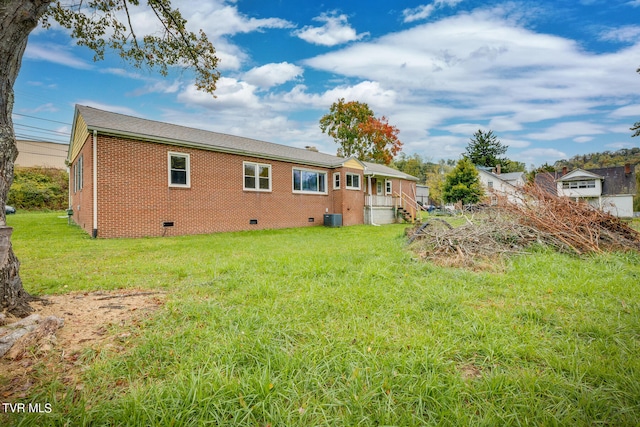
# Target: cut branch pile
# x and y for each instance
(509, 228)
(575, 227)
(477, 244)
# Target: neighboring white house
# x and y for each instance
(608, 189)
(502, 184)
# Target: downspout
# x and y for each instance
(69, 204)
(94, 232)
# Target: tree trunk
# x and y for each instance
(17, 19)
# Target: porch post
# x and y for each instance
(370, 199)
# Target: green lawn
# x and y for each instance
(341, 327)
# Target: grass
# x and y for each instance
(341, 326)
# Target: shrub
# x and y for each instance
(39, 188)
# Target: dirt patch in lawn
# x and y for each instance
(89, 322)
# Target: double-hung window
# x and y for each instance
(388, 187)
(353, 181)
(257, 177)
(179, 170)
(77, 174)
(579, 184)
(336, 181)
(309, 181)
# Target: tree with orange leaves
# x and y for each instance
(359, 133)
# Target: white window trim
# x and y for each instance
(257, 165)
(336, 175)
(346, 181)
(188, 167)
(388, 186)
(318, 193)
(78, 174)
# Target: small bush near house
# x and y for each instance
(39, 188)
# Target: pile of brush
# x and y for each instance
(510, 227)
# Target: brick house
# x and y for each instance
(133, 177)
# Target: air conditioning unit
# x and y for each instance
(333, 220)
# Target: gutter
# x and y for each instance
(218, 149)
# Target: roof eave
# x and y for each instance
(188, 144)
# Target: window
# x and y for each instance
(490, 184)
(336, 181)
(388, 189)
(309, 181)
(179, 170)
(579, 184)
(353, 181)
(77, 174)
(257, 177)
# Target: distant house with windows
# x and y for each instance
(498, 184)
(132, 177)
(609, 189)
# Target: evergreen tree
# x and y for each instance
(485, 149)
(462, 184)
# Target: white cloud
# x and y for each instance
(628, 33)
(583, 139)
(514, 143)
(43, 108)
(218, 19)
(58, 54)
(109, 107)
(270, 75)
(160, 86)
(371, 93)
(627, 111)
(336, 30)
(230, 93)
(550, 154)
(568, 130)
(504, 123)
(464, 128)
(425, 11)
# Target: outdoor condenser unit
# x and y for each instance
(333, 220)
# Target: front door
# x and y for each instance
(379, 189)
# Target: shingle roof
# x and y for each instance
(120, 124)
(134, 127)
(615, 180)
(377, 169)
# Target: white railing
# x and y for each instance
(375, 200)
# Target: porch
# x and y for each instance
(388, 209)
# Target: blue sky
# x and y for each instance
(551, 78)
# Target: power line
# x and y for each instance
(62, 148)
(45, 129)
(36, 138)
(39, 118)
(43, 154)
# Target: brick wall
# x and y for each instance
(81, 200)
(134, 198)
(352, 201)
